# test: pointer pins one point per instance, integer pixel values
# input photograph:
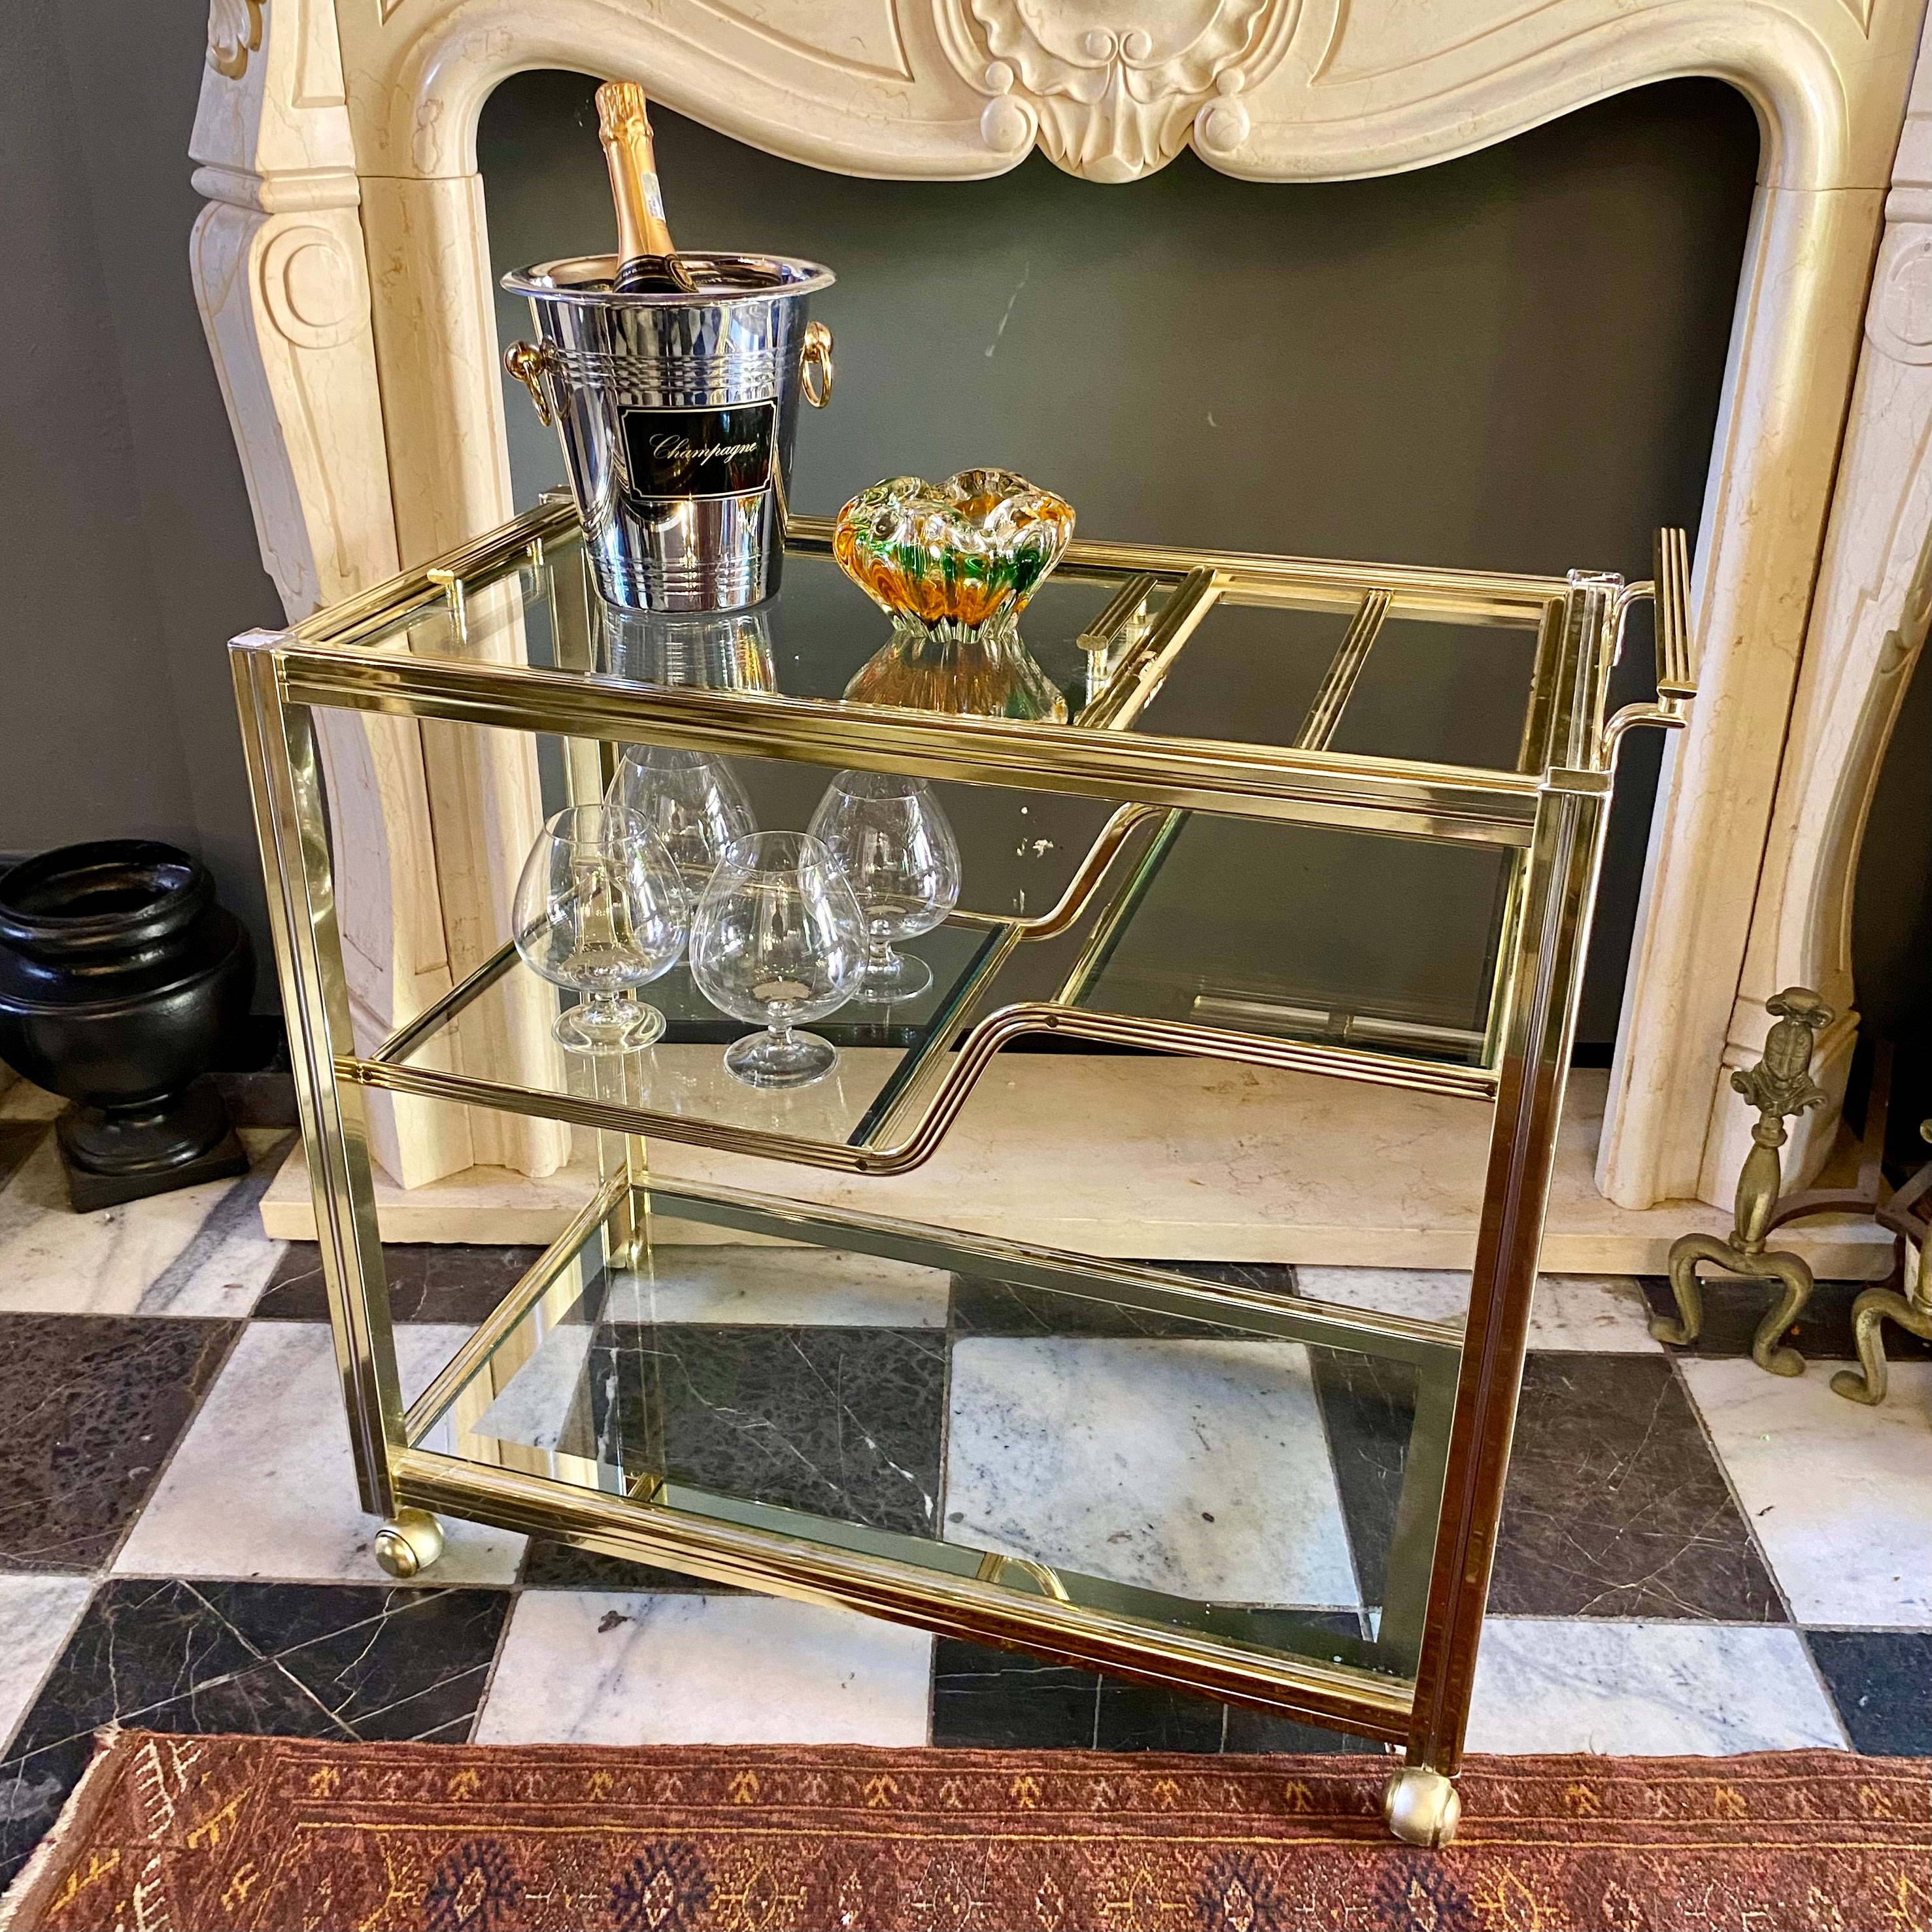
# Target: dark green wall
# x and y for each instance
(1512, 361)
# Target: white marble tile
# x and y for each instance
(775, 1286)
(145, 1256)
(1422, 1295)
(593, 1667)
(1633, 1688)
(1839, 1495)
(263, 1485)
(37, 1614)
(1603, 1313)
(539, 1398)
(1591, 1313)
(1200, 1467)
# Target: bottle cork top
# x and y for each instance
(622, 110)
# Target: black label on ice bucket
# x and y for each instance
(700, 452)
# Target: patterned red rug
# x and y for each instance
(196, 1834)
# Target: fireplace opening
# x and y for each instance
(1513, 360)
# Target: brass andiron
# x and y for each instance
(1778, 1086)
(1910, 1306)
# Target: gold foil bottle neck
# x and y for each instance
(624, 127)
(623, 111)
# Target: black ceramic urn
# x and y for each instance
(120, 979)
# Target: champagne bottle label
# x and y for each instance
(674, 453)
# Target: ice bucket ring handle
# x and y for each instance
(814, 364)
(530, 364)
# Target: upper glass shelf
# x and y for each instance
(1374, 661)
(1327, 776)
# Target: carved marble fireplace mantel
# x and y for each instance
(342, 267)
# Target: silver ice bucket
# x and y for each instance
(677, 414)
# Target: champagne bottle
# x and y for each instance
(647, 263)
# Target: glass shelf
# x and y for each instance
(1225, 975)
(1084, 916)
(959, 1407)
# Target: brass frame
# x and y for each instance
(1550, 816)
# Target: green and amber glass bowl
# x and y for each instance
(953, 564)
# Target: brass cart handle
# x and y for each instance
(814, 364)
(530, 365)
(1671, 569)
(1670, 590)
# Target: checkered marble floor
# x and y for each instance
(1695, 1557)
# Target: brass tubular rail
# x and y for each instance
(1093, 957)
(529, 1287)
(1364, 1701)
(1405, 797)
(344, 624)
(1122, 608)
(1497, 596)
(1344, 672)
(996, 1030)
(1676, 676)
(1144, 666)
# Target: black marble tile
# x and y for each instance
(1822, 1333)
(428, 1282)
(1153, 1718)
(847, 1422)
(1616, 1506)
(1263, 1731)
(1881, 1682)
(292, 1659)
(90, 1406)
(999, 1699)
(550, 1565)
(1368, 1407)
(18, 1139)
(981, 1306)
(1005, 1700)
(1268, 1277)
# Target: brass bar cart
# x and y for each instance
(1216, 685)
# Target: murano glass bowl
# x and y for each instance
(953, 564)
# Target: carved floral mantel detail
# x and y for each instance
(1112, 88)
(234, 33)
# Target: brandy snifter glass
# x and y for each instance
(898, 851)
(692, 800)
(777, 938)
(600, 910)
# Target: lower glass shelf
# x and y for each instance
(1210, 1456)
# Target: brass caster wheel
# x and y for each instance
(408, 1543)
(1421, 1807)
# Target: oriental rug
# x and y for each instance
(202, 1833)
